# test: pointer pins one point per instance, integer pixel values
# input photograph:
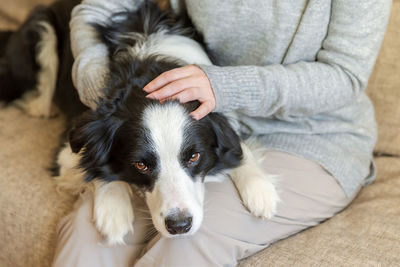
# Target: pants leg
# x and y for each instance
(80, 244)
(228, 233)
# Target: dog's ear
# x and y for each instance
(96, 129)
(228, 149)
(93, 135)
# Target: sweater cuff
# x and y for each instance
(240, 88)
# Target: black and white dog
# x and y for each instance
(130, 140)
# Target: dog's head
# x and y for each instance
(161, 150)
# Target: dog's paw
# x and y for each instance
(259, 196)
(256, 188)
(114, 222)
(113, 214)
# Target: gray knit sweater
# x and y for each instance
(294, 70)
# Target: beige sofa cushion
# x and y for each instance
(30, 207)
(384, 88)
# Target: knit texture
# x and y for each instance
(295, 71)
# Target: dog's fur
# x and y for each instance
(130, 139)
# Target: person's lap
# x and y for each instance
(229, 232)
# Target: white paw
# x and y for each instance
(259, 195)
(113, 214)
(255, 187)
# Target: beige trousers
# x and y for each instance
(229, 232)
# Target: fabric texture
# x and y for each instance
(367, 233)
(228, 233)
(384, 89)
(364, 234)
(294, 71)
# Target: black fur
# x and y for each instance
(148, 19)
(18, 64)
(111, 138)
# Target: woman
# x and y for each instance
(296, 72)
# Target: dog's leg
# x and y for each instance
(255, 187)
(70, 178)
(39, 103)
(113, 210)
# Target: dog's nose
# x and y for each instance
(178, 223)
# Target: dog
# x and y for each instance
(131, 142)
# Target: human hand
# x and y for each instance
(184, 84)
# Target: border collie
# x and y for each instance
(130, 141)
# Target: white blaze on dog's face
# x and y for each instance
(176, 199)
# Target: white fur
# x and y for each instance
(113, 210)
(67, 159)
(174, 188)
(39, 103)
(71, 177)
(167, 45)
(255, 187)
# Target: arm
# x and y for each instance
(341, 70)
(177, 6)
(90, 67)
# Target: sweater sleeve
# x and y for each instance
(90, 67)
(177, 6)
(340, 72)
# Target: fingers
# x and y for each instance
(167, 77)
(187, 95)
(202, 110)
(185, 84)
(191, 94)
(172, 88)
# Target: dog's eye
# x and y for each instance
(194, 158)
(140, 166)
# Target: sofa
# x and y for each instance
(367, 233)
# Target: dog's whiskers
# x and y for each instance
(151, 234)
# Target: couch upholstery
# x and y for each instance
(367, 233)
